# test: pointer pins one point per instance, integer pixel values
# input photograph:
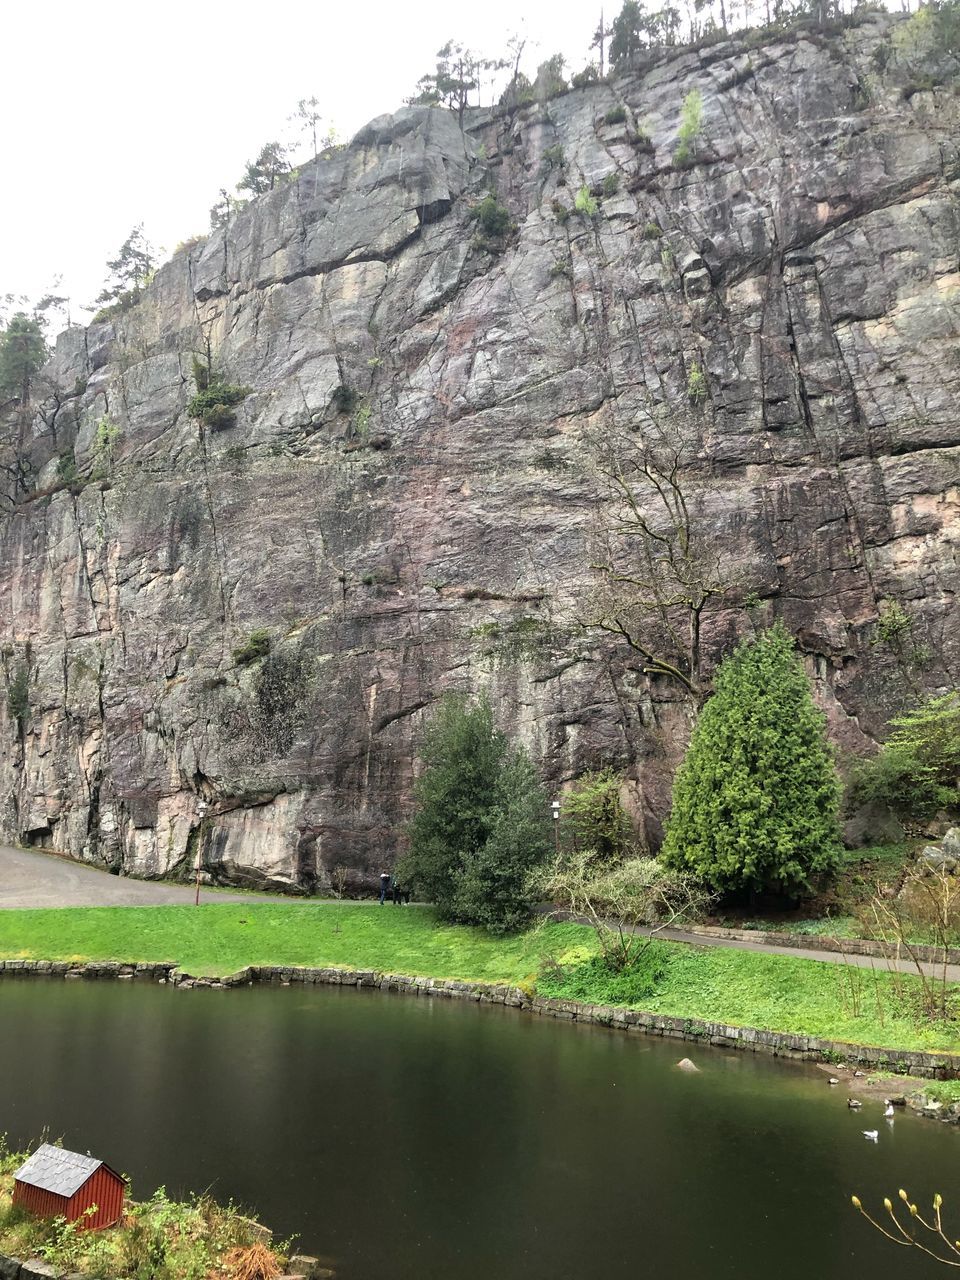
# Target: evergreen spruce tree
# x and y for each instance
(479, 826)
(496, 887)
(756, 800)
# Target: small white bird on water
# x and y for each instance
(889, 1112)
(871, 1135)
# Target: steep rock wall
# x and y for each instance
(435, 533)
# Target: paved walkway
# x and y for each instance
(801, 953)
(29, 878)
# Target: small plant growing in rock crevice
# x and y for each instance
(893, 625)
(696, 385)
(254, 649)
(344, 398)
(213, 404)
(104, 443)
(691, 127)
(494, 222)
(67, 467)
(18, 697)
(361, 421)
(585, 204)
(616, 115)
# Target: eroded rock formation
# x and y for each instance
(405, 502)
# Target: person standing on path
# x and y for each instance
(384, 886)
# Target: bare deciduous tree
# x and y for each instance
(626, 904)
(657, 571)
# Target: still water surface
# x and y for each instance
(411, 1139)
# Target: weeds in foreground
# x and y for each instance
(158, 1239)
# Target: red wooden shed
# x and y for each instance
(64, 1184)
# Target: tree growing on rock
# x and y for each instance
(626, 33)
(457, 76)
(22, 352)
(266, 171)
(129, 271)
(658, 570)
(756, 799)
(480, 828)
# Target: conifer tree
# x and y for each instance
(756, 800)
(22, 352)
(479, 827)
(129, 270)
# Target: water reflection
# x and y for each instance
(409, 1138)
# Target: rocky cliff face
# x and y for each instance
(405, 502)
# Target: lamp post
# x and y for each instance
(201, 814)
(555, 810)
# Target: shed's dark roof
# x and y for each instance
(56, 1170)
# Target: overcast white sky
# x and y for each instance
(122, 111)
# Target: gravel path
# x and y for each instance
(29, 878)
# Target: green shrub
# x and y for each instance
(361, 420)
(18, 697)
(589, 75)
(480, 827)
(496, 888)
(493, 217)
(105, 440)
(585, 204)
(932, 732)
(125, 300)
(691, 126)
(594, 818)
(899, 779)
(560, 211)
(893, 624)
(652, 231)
(213, 406)
(616, 115)
(611, 184)
(254, 649)
(553, 157)
(696, 385)
(344, 398)
(755, 802)
(917, 770)
(67, 467)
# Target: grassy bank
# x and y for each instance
(160, 1238)
(777, 993)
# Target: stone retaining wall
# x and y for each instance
(821, 942)
(942, 1066)
(33, 1269)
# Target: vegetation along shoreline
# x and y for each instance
(799, 1010)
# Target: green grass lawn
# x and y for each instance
(778, 993)
(221, 938)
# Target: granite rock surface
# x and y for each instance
(406, 501)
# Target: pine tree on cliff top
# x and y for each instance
(756, 800)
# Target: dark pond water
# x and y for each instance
(409, 1138)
